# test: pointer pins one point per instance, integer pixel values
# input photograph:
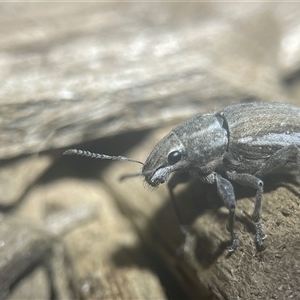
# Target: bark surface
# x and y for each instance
(103, 76)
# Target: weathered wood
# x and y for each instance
(74, 72)
(17, 176)
(87, 258)
(98, 69)
(101, 249)
(28, 248)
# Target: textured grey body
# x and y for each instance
(238, 138)
(243, 142)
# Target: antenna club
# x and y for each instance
(79, 152)
(99, 156)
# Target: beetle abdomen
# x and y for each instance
(258, 130)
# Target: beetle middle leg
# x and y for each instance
(279, 159)
(256, 183)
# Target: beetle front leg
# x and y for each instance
(254, 182)
(226, 192)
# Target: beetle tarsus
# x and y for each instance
(235, 242)
(259, 236)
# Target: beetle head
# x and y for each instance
(196, 146)
(165, 158)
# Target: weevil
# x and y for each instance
(241, 143)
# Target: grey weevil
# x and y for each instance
(244, 142)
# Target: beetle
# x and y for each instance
(241, 143)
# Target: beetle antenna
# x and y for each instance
(99, 156)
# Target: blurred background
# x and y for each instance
(114, 78)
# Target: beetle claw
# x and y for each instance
(235, 242)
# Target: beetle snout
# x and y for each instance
(158, 177)
(156, 181)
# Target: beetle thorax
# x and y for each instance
(204, 138)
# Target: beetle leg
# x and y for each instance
(279, 159)
(256, 183)
(226, 192)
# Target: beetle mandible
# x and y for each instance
(244, 142)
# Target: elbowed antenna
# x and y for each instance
(99, 156)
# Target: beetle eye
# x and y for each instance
(174, 157)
